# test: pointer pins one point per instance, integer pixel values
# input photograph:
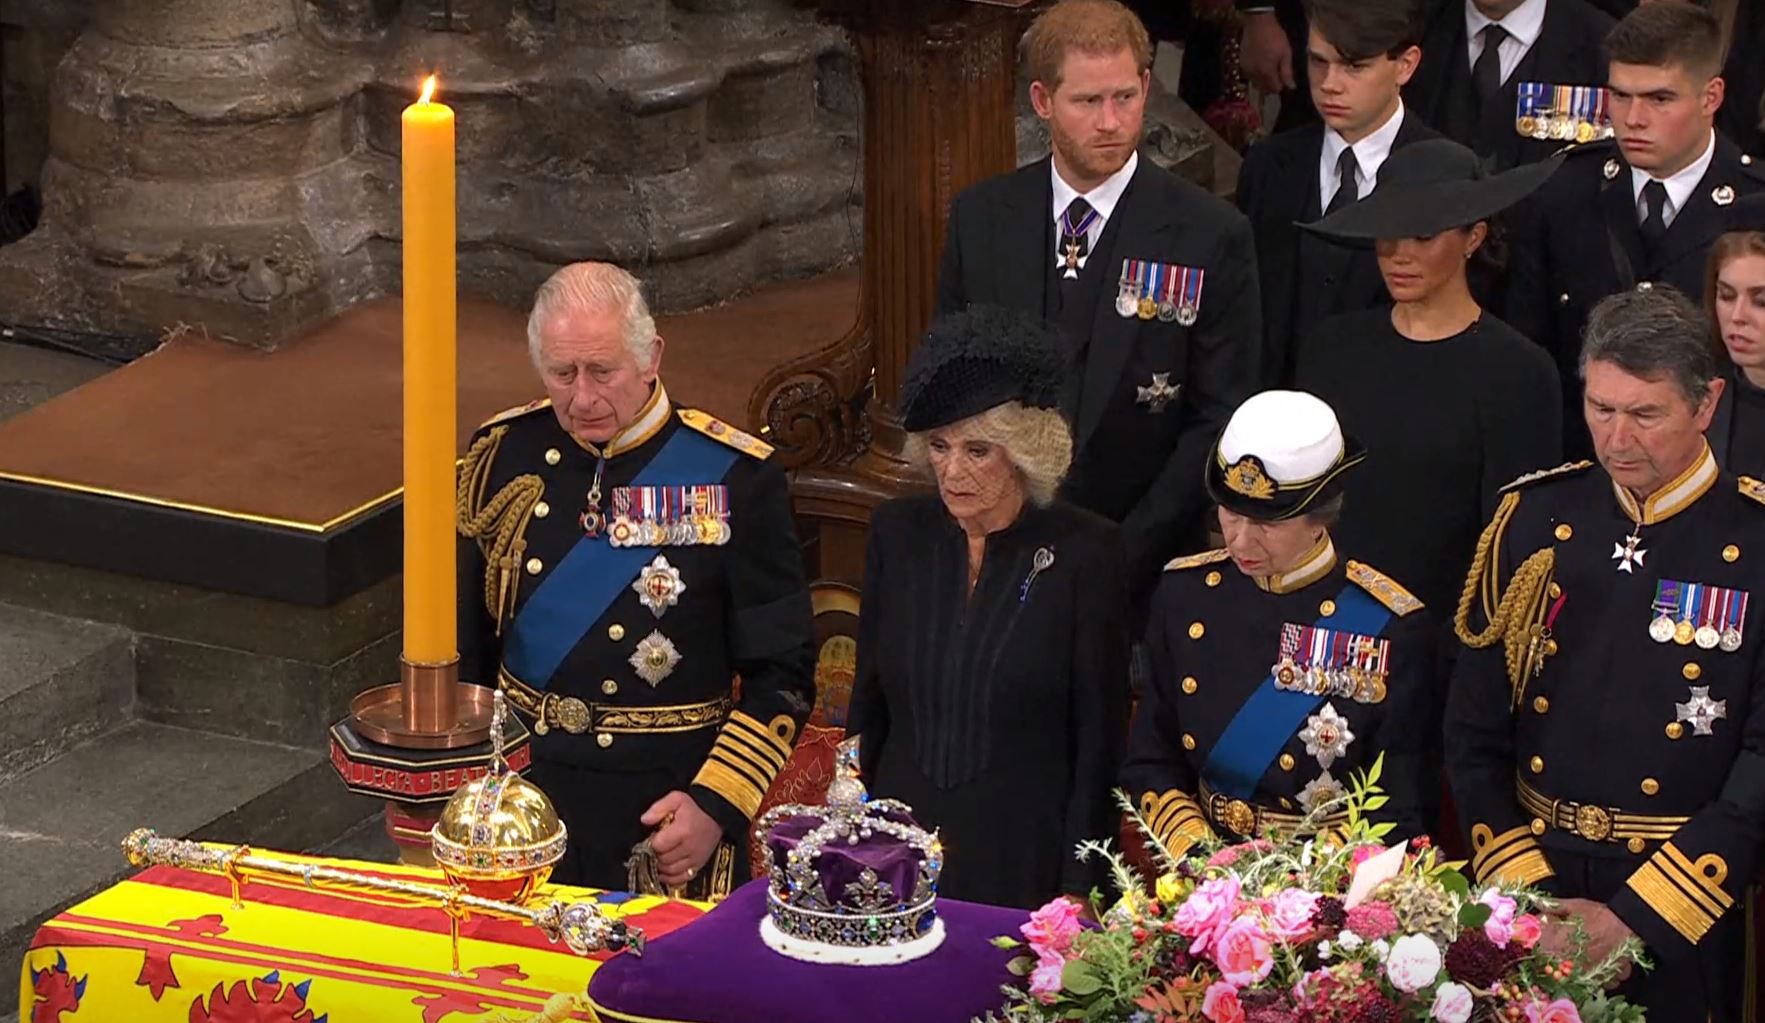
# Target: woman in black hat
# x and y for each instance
(1734, 296)
(1452, 403)
(991, 692)
(1280, 669)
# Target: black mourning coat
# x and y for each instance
(1576, 241)
(1566, 52)
(998, 716)
(1304, 278)
(1134, 462)
(1597, 727)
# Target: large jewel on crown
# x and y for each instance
(854, 881)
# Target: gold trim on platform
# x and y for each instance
(201, 509)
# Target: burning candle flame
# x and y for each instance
(428, 90)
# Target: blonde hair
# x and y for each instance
(1099, 28)
(580, 287)
(1036, 441)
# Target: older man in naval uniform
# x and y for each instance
(1605, 731)
(623, 561)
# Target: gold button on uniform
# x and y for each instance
(535, 566)
(1537, 826)
(1563, 531)
(1327, 608)
(552, 457)
(615, 632)
(1537, 765)
(1691, 671)
(609, 687)
(1731, 553)
(1197, 630)
(1287, 761)
(1188, 741)
(1213, 578)
(1650, 786)
(603, 740)
(1635, 845)
(1675, 730)
(1541, 705)
(541, 510)
(1189, 684)
(1556, 591)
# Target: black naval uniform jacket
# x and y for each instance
(1566, 52)
(615, 740)
(1589, 758)
(1138, 446)
(1577, 240)
(1215, 640)
(1304, 278)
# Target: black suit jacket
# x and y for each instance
(1131, 463)
(1277, 189)
(1566, 52)
(1576, 241)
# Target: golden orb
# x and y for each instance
(499, 836)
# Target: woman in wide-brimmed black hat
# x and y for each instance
(1451, 402)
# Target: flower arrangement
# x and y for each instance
(1335, 929)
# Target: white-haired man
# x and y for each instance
(623, 561)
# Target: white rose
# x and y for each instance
(1380, 947)
(1452, 1003)
(1349, 941)
(1413, 964)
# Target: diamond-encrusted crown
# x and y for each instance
(856, 873)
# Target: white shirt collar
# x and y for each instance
(1680, 186)
(1523, 24)
(1102, 198)
(1369, 154)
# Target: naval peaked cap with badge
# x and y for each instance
(1605, 730)
(616, 594)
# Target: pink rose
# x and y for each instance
(1560, 1011)
(1045, 978)
(1413, 963)
(1363, 853)
(1499, 928)
(1527, 930)
(1052, 928)
(1242, 952)
(1220, 1003)
(1452, 1003)
(1289, 913)
(1207, 912)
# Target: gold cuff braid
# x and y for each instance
(499, 525)
(1517, 617)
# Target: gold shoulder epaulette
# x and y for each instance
(1755, 489)
(717, 429)
(1213, 557)
(513, 413)
(1384, 589)
(1544, 474)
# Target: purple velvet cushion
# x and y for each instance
(894, 862)
(717, 970)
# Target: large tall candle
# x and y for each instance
(430, 633)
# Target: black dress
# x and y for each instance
(1737, 432)
(998, 716)
(1446, 425)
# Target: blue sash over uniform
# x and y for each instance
(1267, 721)
(587, 581)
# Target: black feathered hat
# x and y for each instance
(978, 359)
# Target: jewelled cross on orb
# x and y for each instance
(1628, 555)
(1160, 394)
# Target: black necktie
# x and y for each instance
(1486, 73)
(1347, 173)
(1654, 222)
(1075, 244)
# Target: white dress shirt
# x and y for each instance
(1679, 187)
(1522, 24)
(1369, 153)
(1102, 199)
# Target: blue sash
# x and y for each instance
(1266, 721)
(583, 585)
